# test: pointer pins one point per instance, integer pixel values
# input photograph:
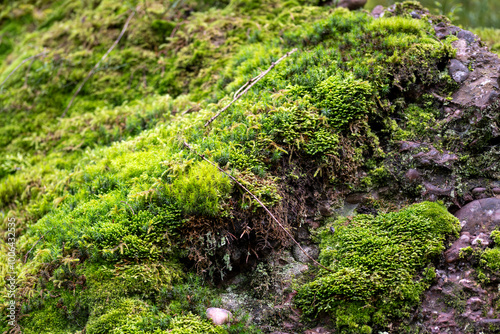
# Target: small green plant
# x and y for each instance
(343, 99)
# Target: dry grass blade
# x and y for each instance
(24, 61)
(249, 84)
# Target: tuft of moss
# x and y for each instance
(376, 265)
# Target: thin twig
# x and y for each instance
(98, 63)
(249, 85)
(35, 56)
(129, 206)
(261, 204)
(28, 72)
(26, 256)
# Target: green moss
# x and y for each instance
(376, 264)
(343, 100)
(190, 324)
(115, 194)
(490, 37)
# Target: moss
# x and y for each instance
(489, 36)
(118, 198)
(190, 324)
(376, 264)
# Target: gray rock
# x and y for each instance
(378, 11)
(219, 316)
(442, 30)
(466, 35)
(412, 175)
(311, 250)
(458, 71)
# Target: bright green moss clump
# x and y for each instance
(377, 265)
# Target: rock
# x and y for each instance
(453, 253)
(325, 209)
(219, 316)
(412, 175)
(496, 191)
(355, 198)
(482, 240)
(458, 71)
(378, 11)
(435, 157)
(442, 30)
(479, 193)
(293, 270)
(446, 319)
(481, 87)
(475, 303)
(352, 4)
(317, 330)
(431, 189)
(481, 215)
(467, 36)
(415, 15)
(312, 251)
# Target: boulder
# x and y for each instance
(480, 216)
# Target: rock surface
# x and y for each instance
(352, 4)
(457, 301)
(219, 316)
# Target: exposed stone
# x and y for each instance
(479, 193)
(496, 191)
(482, 240)
(219, 316)
(352, 4)
(431, 189)
(467, 36)
(442, 30)
(458, 71)
(435, 157)
(412, 174)
(478, 216)
(311, 250)
(415, 15)
(475, 303)
(325, 209)
(317, 330)
(378, 11)
(446, 319)
(453, 253)
(355, 198)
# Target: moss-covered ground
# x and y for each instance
(113, 213)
